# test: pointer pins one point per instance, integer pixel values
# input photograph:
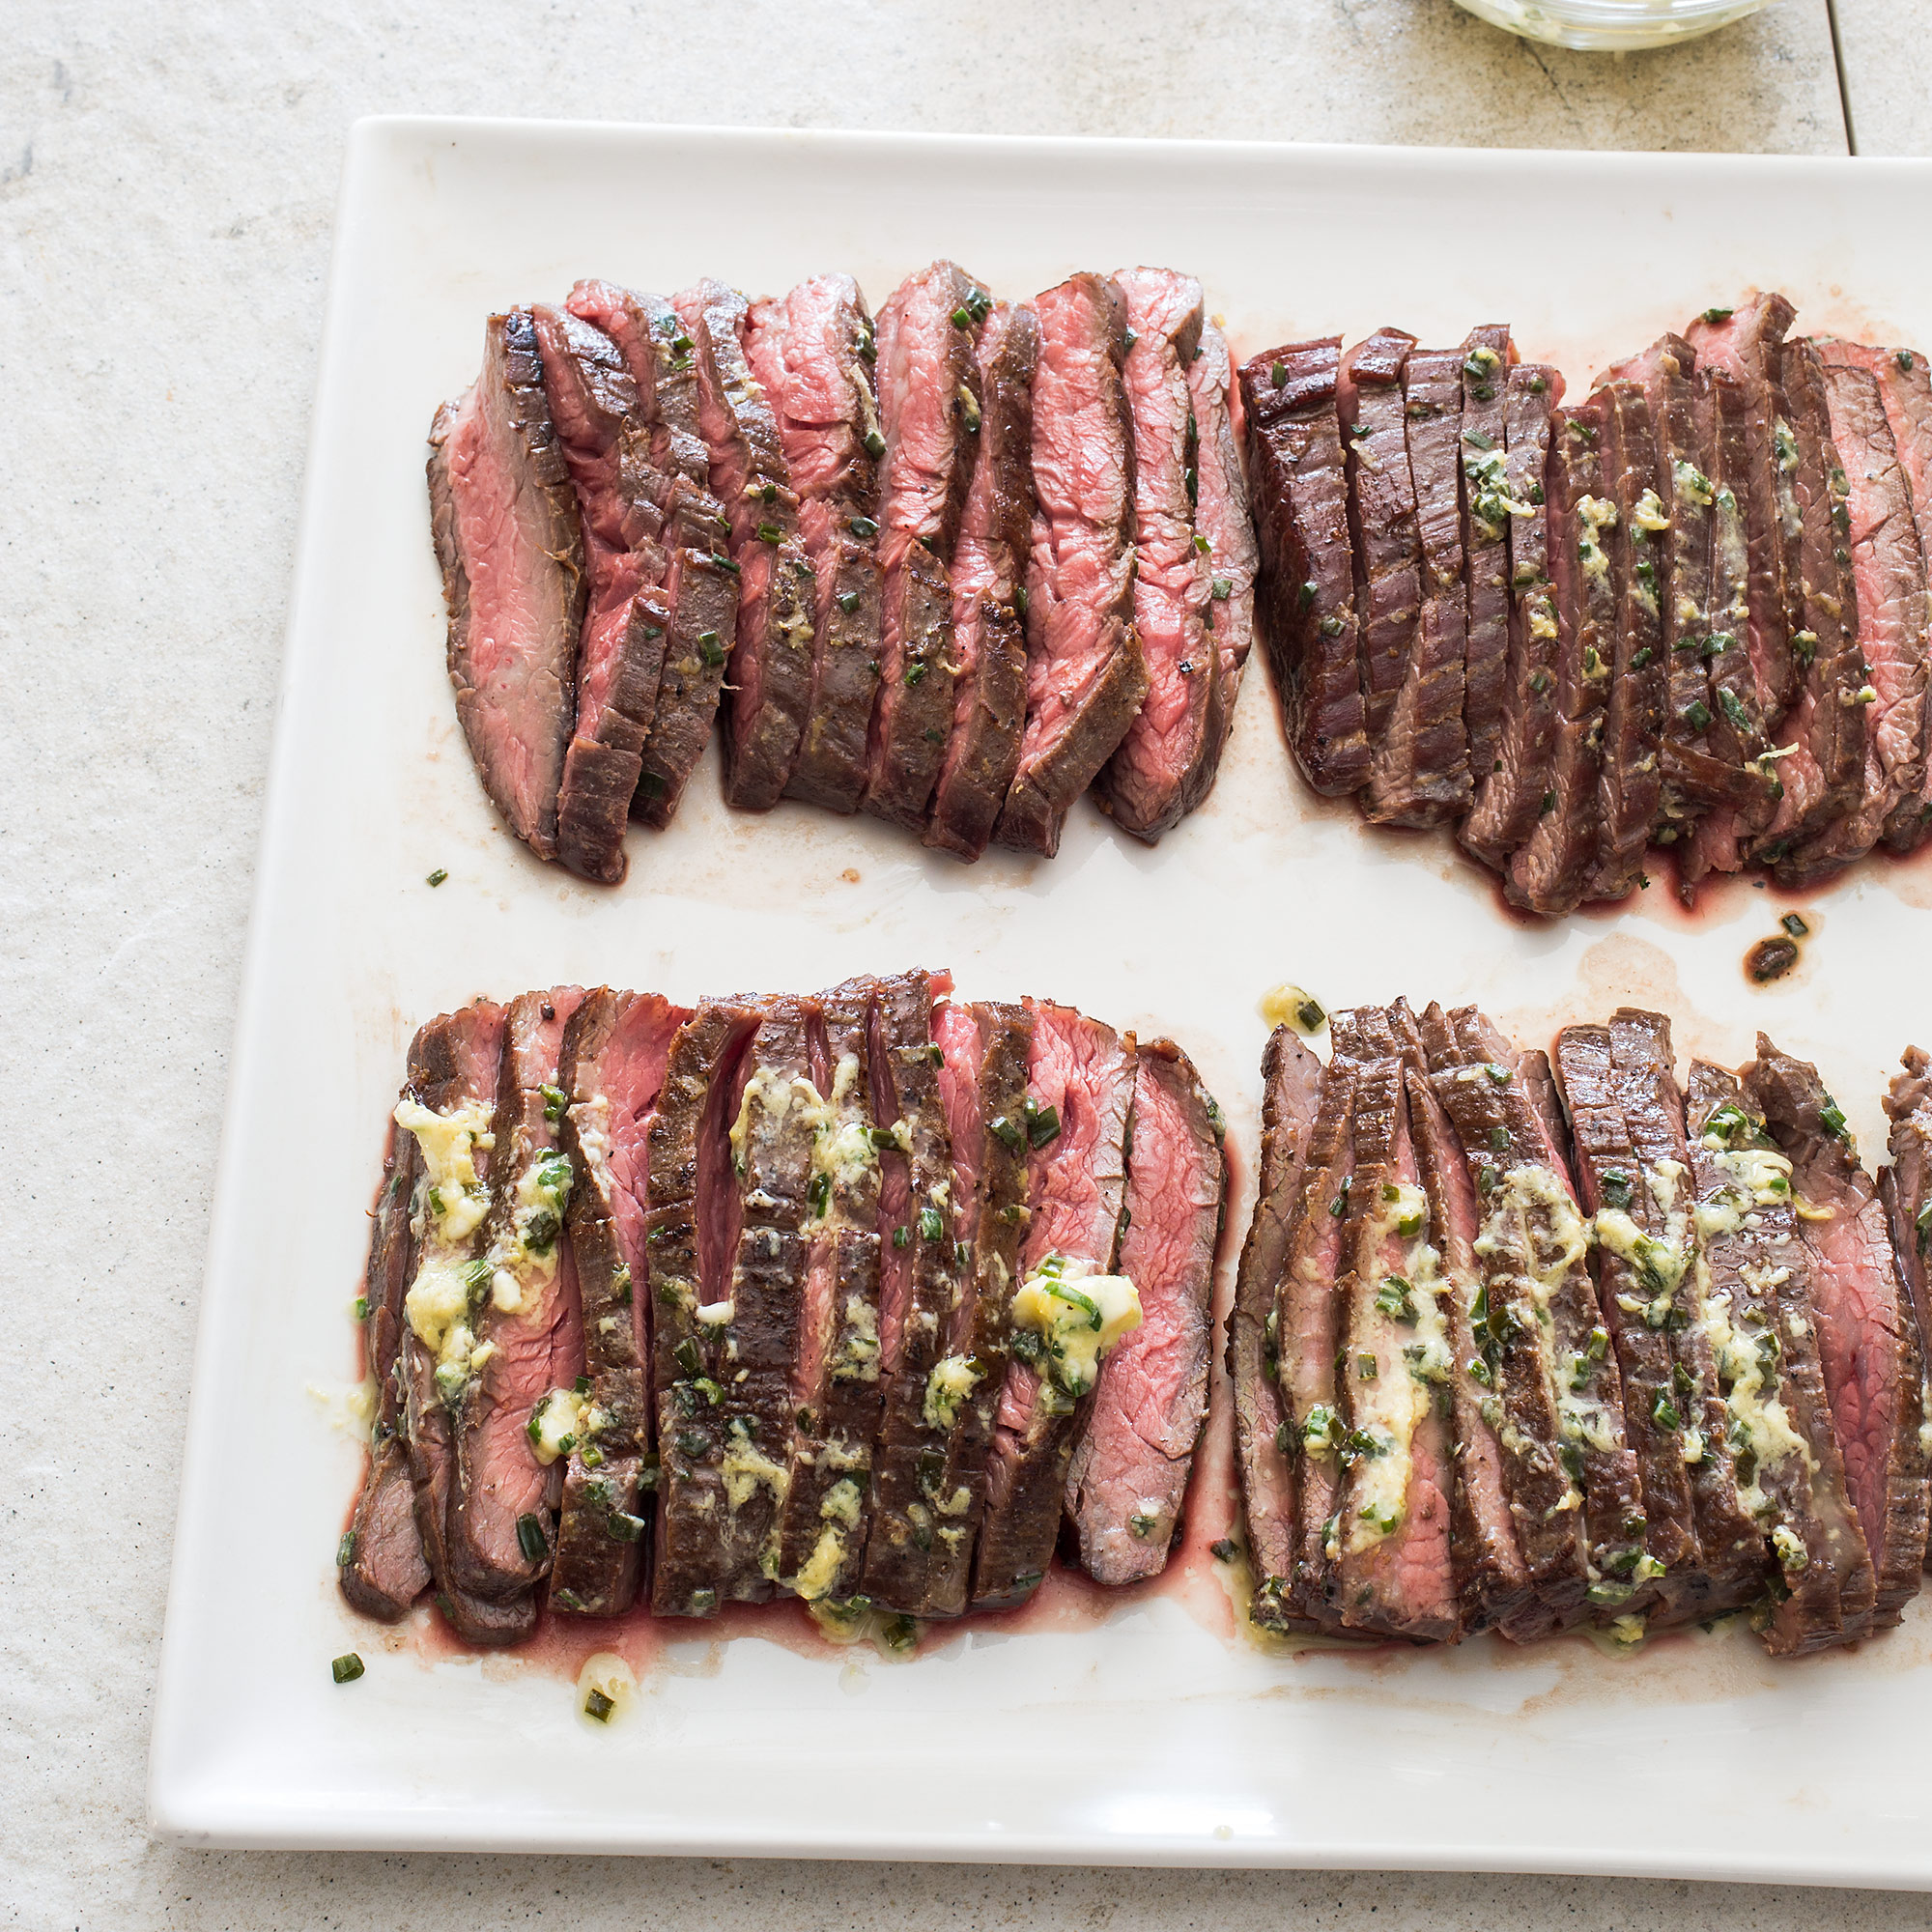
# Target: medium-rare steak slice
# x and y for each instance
(381, 1563)
(1221, 521)
(1510, 496)
(511, 546)
(921, 1278)
(1763, 1330)
(815, 354)
(1146, 786)
(1745, 341)
(1493, 1582)
(752, 1341)
(1630, 782)
(691, 1195)
(448, 1106)
(1309, 624)
(1135, 1447)
(1823, 738)
(982, 1084)
(931, 414)
(1386, 547)
(988, 565)
(605, 435)
(1487, 353)
(1547, 874)
(1906, 1187)
(609, 1073)
(1889, 571)
(1867, 1336)
(1086, 675)
(1905, 382)
(1080, 1086)
(1389, 1538)
(528, 1329)
(1264, 1452)
(771, 661)
(1420, 771)
(822, 1536)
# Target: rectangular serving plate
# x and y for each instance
(1156, 1736)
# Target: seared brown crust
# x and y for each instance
(600, 774)
(702, 589)
(1485, 356)
(1305, 601)
(1381, 518)
(831, 768)
(911, 722)
(1906, 1185)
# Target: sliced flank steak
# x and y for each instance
(770, 675)
(988, 572)
(381, 1571)
(835, 1387)
(610, 1071)
(510, 543)
(1764, 1339)
(1547, 872)
(500, 1525)
(1221, 521)
(1086, 675)
(1134, 1450)
(691, 1194)
(1510, 778)
(1906, 1186)
(982, 1085)
(1265, 1462)
(930, 414)
(1147, 785)
(1487, 354)
(920, 1277)
(1867, 1335)
(1079, 1086)
(1419, 774)
(1306, 603)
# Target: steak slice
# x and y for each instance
(921, 1280)
(988, 565)
(1745, 341)
(1221, 517)
(1889, 571)
(1386, 548)
(511, 546)
(983, 1079)
(815, 354)
(702, 594)
(1080, 1088)
(1264, 1444)
(1823, 739)
(529, 1327)
(1512, 498)
(1548, 873)
(752, 1344)
(822, 1540)
(1867, 1335)
(380, 1567)
(1389, 1538)
(771, 661)
(1148, 785)
(1905, 1187)
(1085, 674)
(1134, 1450)
(605, 435)
(449, 1099)
(691, 1197)
(1763, 1330)
(1420, 773)
(1630, 782)
(609, 1073)
(930, 412)
(1299, 497)
(1482, 453)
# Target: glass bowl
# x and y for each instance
(1613, 26)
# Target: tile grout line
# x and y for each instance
(1838, 62)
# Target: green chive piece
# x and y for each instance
(770, 534)
(1042, 1123)
(345, 1551)
(530, 1539)
(346, 1669)
(1717, 315)
(864, 529)
(1794, 926)
(901, 1237)
(875, 444)
(361, 1308)
(436, 877)
(914, 673)
(598, 1707)
(930, 1226)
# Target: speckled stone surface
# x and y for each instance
(1887, 54)
(167, 177)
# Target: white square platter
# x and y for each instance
(1158, 1736)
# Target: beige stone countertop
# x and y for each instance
(167, 177)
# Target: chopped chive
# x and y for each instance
(1717, 315)
(361, 1308)
(1696, 714)
(863, 528)
(1042, 1123)
(1223, 1550)
(436, 877)
(530, 1539)
(930, 1226)
(914, 673)
(875, 444)
(770, 534)
(1007, 1132)
(1794, 926)
(901, 1237)
(346, 1669)
(345, 1551)
(598, 1707)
